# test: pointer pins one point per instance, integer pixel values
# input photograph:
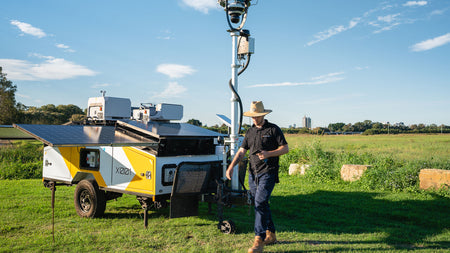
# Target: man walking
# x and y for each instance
(266, 143)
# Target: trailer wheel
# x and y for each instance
(227, 227)
(90, 202)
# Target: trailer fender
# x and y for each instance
(81, 176)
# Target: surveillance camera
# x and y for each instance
(235, 10)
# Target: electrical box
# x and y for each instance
(246, 45)
(109, 108)
(160, 112)
(168, 112)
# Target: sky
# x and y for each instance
(333, 61)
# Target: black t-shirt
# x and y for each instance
(269, 137)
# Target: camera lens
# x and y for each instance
(234, 18)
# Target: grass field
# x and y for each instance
(402, 146)
(309, 217)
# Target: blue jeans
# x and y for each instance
(261, 188)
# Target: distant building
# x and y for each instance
(306, 122)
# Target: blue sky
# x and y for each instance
(333, 61)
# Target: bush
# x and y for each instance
(22, 161)
(385, 172)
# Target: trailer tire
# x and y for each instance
(89, 200)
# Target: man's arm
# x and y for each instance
(281, 150)
(237, 158)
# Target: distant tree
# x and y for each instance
(8, 110)
(348, 128)
(51, 114)
(359, 127)
(195, 122)
(367, 124)
(77, 117)
(48, 108)
(69, 110)
(377, 125)
(336, 127)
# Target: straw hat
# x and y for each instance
(257, 109)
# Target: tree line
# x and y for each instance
(367, 127)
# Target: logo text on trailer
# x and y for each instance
(123, 171)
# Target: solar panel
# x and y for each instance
(166, 129)
(77, 135)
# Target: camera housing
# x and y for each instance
(235, 10)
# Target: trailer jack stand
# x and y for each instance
(145, 217)
(52, 186)
(150, 204)
(145, 204)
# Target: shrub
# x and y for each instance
(22, 161)
(385, 173)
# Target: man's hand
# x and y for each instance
(229, 172)
(263, 155)
(237, 157)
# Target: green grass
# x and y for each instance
(314, 213)
(12, 133)
(310, 217)
(395, 160)
(402, 146)
(22, 160)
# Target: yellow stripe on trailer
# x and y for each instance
(71, 157)
(144, 165)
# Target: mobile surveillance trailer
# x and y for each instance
(147, 155)
(159, 161)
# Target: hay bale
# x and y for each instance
(353, 172)
(296, 168)
(434, 178)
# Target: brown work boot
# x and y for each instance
(271, 238)
(258, 245)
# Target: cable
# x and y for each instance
(237, 95)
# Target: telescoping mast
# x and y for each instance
(243, 46)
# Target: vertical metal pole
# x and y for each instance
(53, 188)
(234, 109)
(146, 216)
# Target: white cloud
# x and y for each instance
(62, 46)
(29, 29)
(323, 79)
(172, 90)
(431, 43)
(415, 3)
(361, 68)
(437, 12)
(333, 31)
(175, 70)
(50, 69)
(387, 28)
(202, 5)
(388, 18)
(65, 47)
